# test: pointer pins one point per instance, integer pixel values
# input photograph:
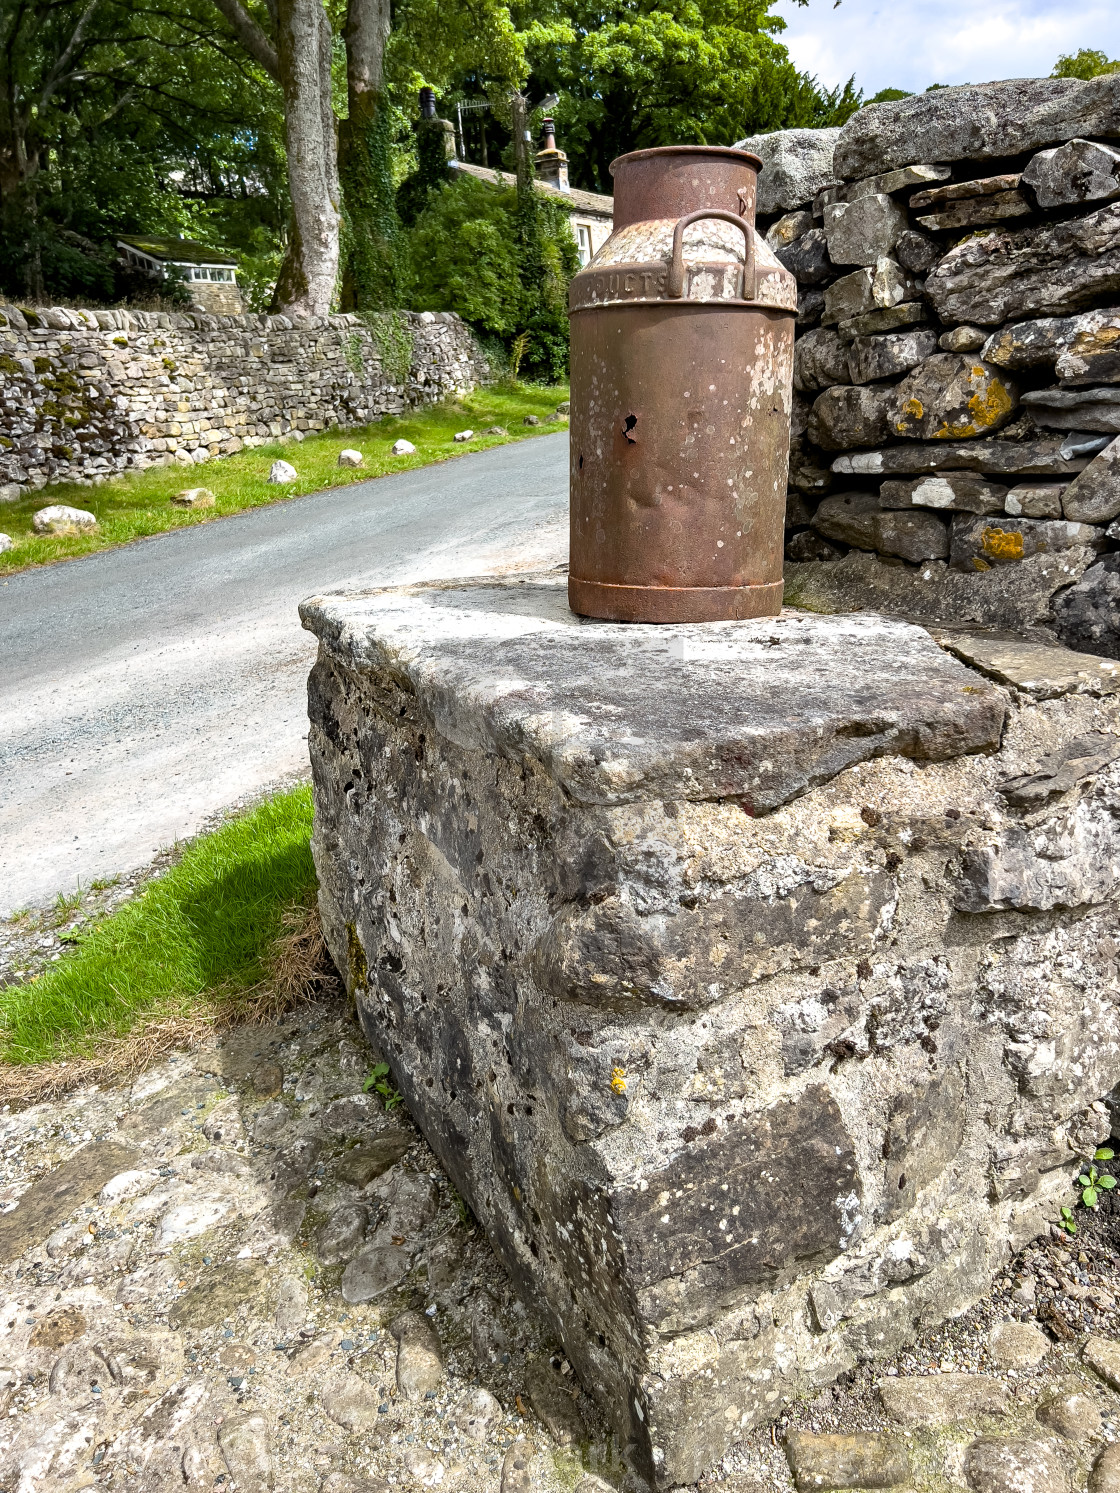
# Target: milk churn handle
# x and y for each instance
(675, 286)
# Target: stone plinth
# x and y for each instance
(753, 1022)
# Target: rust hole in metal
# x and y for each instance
(627, 426)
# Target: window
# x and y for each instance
(583, 242)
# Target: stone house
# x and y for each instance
(591, 214)
(210, 274)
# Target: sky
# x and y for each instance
(912, 43)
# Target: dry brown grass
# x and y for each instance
(299, 972)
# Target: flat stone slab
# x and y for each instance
(1040, 669)
(759, 711)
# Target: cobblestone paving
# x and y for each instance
(243, 1272)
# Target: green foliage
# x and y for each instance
(393, 335)
(464, 248)
(374, 252)
(1066, 1222)
(378, 1081)
(502, 265)
(661, 72)
(147, 120)
(888, 95)
(1084, 64)
(1092, 1182)
(204, 926)
(431, 171)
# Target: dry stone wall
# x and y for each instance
(955, 451)
(84, 394)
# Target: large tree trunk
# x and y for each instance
(308, 275)
(374, 272)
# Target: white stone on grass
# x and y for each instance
(282, 471)
(403, 448)
(464, 435)
(5, 543)
(59, 519)
(193, 497)
(350, 458)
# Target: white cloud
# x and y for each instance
(912, 43)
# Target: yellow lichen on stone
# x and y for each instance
(618, 1080)
(1001, 545)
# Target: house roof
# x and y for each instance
(176, 250)
(595, 204)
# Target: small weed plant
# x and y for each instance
(378, 1082)
(1092, 1182)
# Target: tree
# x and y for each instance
(104, 107)
(294, 47)
(375, 264)
(637, 73)
(1084, 64)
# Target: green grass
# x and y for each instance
(137, 504)
(200, 933)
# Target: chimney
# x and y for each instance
(429, 120)
(552, 164)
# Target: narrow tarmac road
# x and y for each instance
(146, 688)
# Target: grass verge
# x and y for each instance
(135, 505)
(230, 933)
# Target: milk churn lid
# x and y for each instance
(703, 257)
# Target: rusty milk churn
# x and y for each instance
(682, 370)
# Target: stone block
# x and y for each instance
(904, 179)
(935, 199)
(820, 360)
(1052, 269)
(953, 397)
(796, 164)
(1042, 458)
(980, 543)
(663, 997)
(943, 1399)
(1076, 409)
(807, 258)
(889, 319)
(1087, 614)
(1093, 497)
(789, 229)
(1038, 669)
(976, 122)
(1036, 500)
(874, 287)
(859, 519)
(997, 1464)
(959, 492)
(976, 212)
(845, 416)
(868, 1461)
(917, 252)
(1079, 171)
(1011, 598)
(863, 231)
(887, 356)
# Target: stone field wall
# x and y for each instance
(955, 454)
(84, 394)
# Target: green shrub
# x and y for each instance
(466, 250)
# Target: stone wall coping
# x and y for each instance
(760, 711)
(77, 319)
